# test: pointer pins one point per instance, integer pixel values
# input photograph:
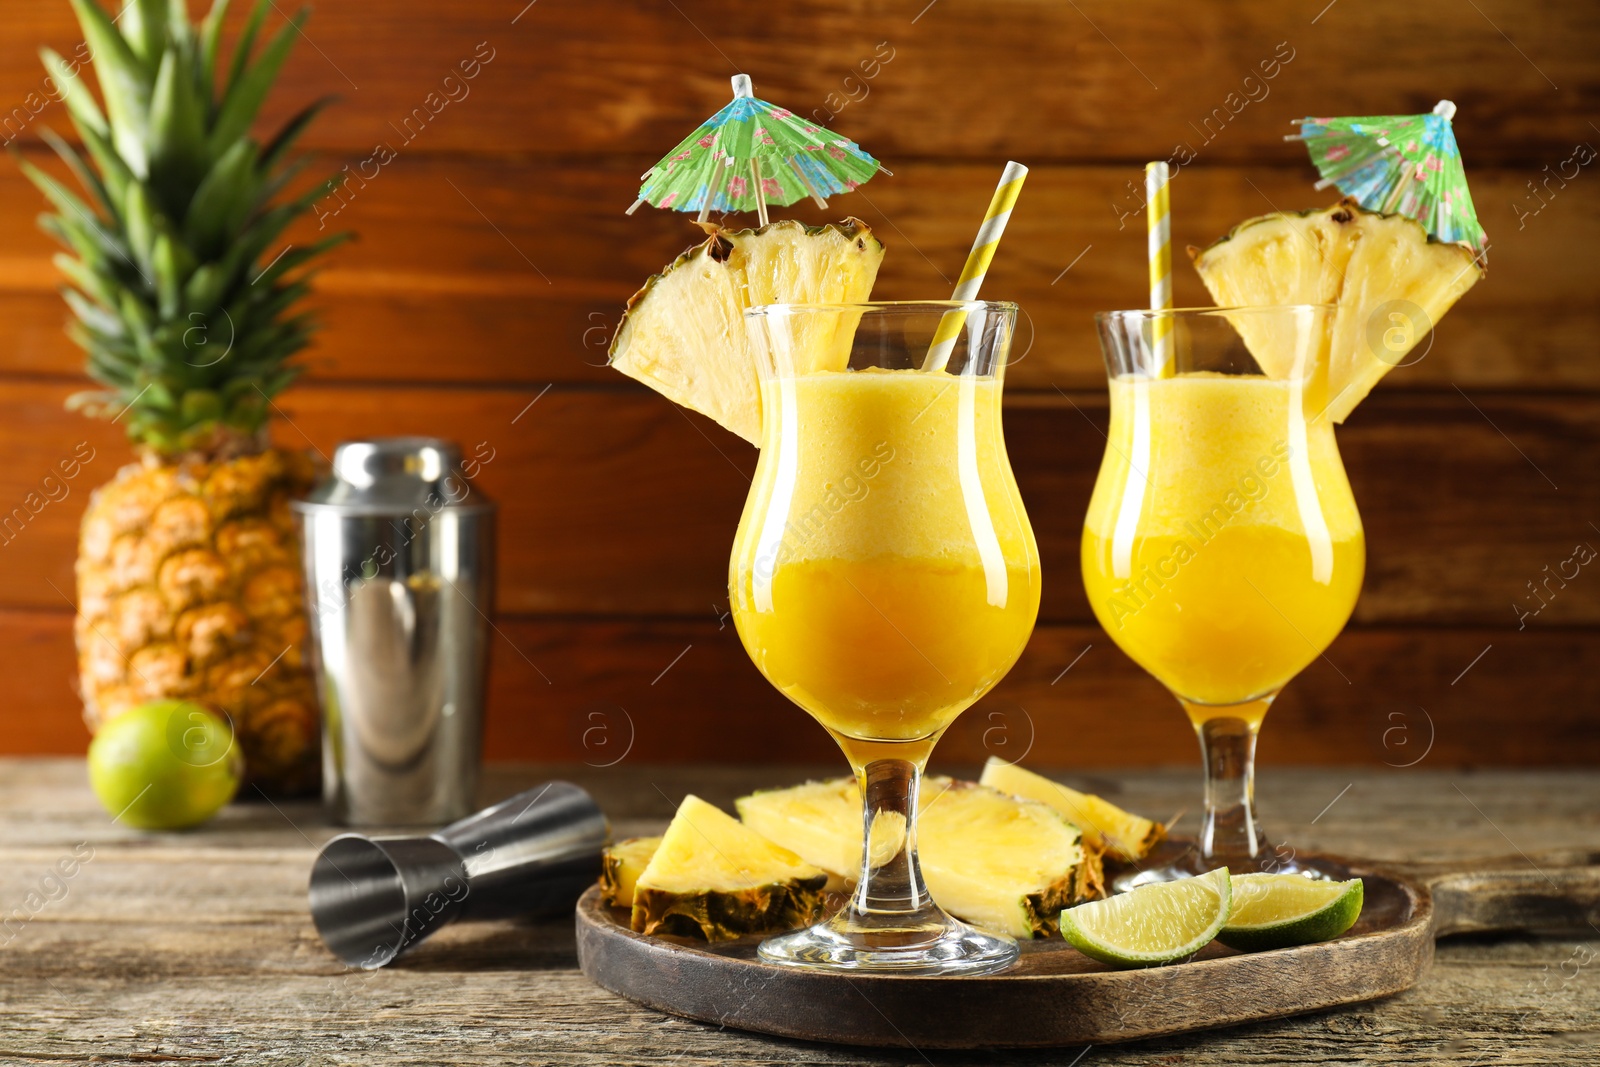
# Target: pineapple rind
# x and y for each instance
(728, 914)
(189, 587)
(683, 333)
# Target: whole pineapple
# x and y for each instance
(189, 577)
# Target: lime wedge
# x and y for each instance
(1278, 910)
(1151, 925)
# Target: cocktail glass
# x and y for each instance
(884, 578)
(1222, 550)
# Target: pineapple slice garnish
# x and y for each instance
(684, 335)
(715, 878)
(1105, 826)
(1391, 281)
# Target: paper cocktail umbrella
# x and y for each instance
(751, 154)
(1398, 163)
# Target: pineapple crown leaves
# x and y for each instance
(189, 332)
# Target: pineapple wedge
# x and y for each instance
(1105, 826)
(715, 878)
(683, 334)
(1391, 281)
(1004, 864)
(819, 821)
(620, 867)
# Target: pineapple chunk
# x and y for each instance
(819, 821)
(713, 877)
(1105, 826)
(684, 336)
(1004, 864)
(1392, 283)
(621, 866)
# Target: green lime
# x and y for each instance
(164, 765)
(1158, 923)
(1278, 910)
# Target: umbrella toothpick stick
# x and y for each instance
(811, 190)
(761, 201)
(641, 200)
(743, 89)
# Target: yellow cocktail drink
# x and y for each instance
(1222, 549)
(884, 576)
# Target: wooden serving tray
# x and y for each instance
(1057, 996)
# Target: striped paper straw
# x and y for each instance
(994, 225)
(1158, 216)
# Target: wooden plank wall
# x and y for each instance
(494, 258)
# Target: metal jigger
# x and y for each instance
(373, 898)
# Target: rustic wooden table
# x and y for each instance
(197, 947)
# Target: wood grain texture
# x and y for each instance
(616, 502)
(572, 77)
(506, 270)
(494, 260)
(628, 691)
(1561, 895)
(198, 945)
(1053, 996)
(599, 610)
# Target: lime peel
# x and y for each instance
(1280, 910)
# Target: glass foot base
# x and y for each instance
(1169, 865)
(952, 948)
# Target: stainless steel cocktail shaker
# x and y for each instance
(399, 556)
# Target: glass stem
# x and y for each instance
(891, 907)
(1229, 835)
